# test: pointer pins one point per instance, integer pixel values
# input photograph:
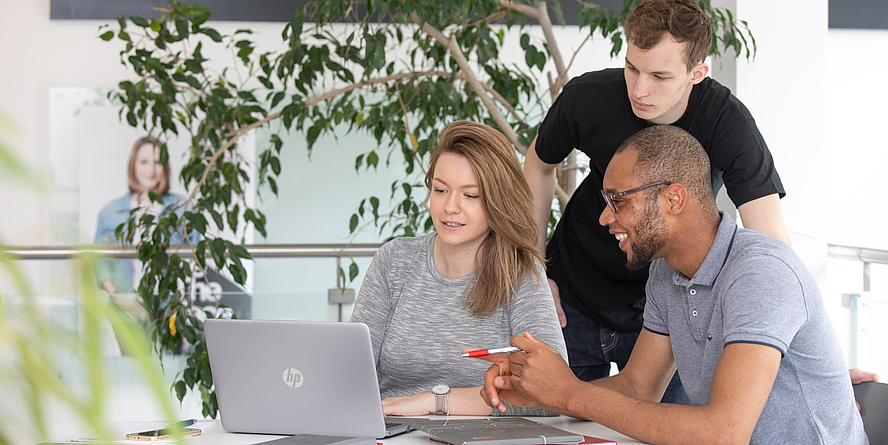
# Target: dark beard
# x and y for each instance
(650, 237)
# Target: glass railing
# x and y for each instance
(865, 294)
(287, 282)
(298, 282)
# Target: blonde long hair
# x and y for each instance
(510, 252)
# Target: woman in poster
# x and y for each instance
(146, 174)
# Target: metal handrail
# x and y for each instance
(256, 251)
(863, 254)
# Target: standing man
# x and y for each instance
(664, 81)
(737, 313)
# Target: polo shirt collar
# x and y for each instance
(715, 259)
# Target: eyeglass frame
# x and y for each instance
(610, 197)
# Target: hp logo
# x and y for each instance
(293, 378)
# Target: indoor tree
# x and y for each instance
(396, 70)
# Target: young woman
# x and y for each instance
(474, 283)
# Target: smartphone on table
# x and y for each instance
(164, 434)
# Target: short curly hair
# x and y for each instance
(682, 19)
(671, 154)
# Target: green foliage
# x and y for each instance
(398, 72)
(40, 356)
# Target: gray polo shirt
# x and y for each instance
(752, 288)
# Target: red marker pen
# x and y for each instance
(486, 352)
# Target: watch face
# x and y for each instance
(441, 389)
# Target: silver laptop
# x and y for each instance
(296, 377)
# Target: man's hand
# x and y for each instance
(541, 374)
(860, 376)
(537, 377)
(416, 405)
(497, 387)
(556, 295)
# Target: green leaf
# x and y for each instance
(200, 253)
(372, 159)
(190, 374)
(233, 216)
(197, 221)
(352, 271)
(217, 218)
(374, 203)
(217, 249)
(206, 377)
(353, 223)
(213, 34)
(241, 251)
(238, 273)
(180, 390)
(278, 97)
(525, 41)
(107, 35)
(312, 134)
(182, 28)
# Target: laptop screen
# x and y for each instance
(295, 377)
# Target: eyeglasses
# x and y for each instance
(609, 198)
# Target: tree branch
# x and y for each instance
(330, 94)
(409, 131)
(450, 43)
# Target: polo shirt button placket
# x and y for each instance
(691, 293)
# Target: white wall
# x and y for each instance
(856, 144)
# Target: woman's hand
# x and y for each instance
(416, 405)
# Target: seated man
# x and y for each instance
(735, 311)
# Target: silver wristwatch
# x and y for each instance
(442, 399)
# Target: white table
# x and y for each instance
(217, 435)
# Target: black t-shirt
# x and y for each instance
(593, 115)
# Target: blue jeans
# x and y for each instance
(592, 347)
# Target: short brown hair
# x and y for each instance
(510, 252)
(163, 183)
(682, 19)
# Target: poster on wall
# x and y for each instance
(101, 164)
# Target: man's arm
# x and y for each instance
(740, 387)
(541, 179)
(645, 377)
(765, 215)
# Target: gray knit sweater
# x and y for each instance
(418, 324)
